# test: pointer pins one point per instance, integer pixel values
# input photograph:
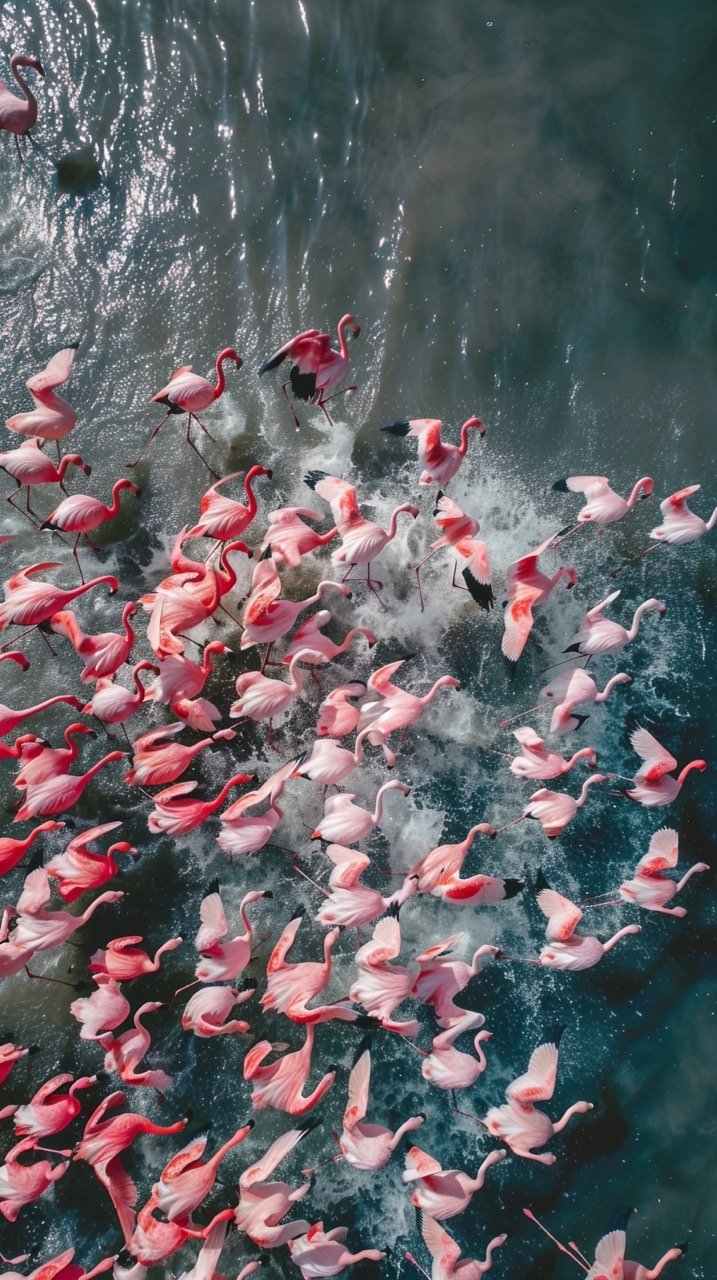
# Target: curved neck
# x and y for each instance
(586, 787)
(378, 808)
(141, 666)
(582, 754)
(207, 660)
(250, 498)
(23, 85)
(248, 931)
(440, 683)
(113, 755)
(117, 488)
(52, 702)
(463, 446)
(69, 735)
(694, 764)
(611, 684)
(391, 531)
(296, 682)
(233, 782)
(221, 383)
(87, 586)
(128, 628)
(69, 460)
(343, 344)
(637, 490)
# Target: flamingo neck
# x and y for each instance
(65, 463)
(117, 487)
(611, 684)
(32, 101)
(391, 531)
(582, 754)
(642, 608)
(87, 586)
(248, 930)
(341, 330)
(440, 684)
(233, 782)
(586, 787)
(141, 666)
(128, 628)
(637, 490)
(113, 755)
(221, 381)
(50, 702)
(463, 446)
(694, 764)
(207, 661)
(250, 496)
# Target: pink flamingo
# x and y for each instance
(186, 1180)
(680, 524)
(124, 1053)
(382, 986)
(187, 392)
(244, 833)
(105, 653)
(263, 1204)
(349, 904)
(40, 762)
(446, 1253)
(49, 1110)
(10, 1055)
(20, 1184)
(323, 1253)
(446, 860)
(28, 466)
(19, 115)
(649, 888)
(28, 603)
(610, 1257)
(361, 540)
(176, 814)
(261, 698)
(329, 764)
(206, 1012)
(103, 1141)
(337, 717)
(568, 690)
(266, 617)
(154, 1240)
(10, 718)
(157, 761)
(289, 538)
(59, 793)
(280, 1084)
(123, 960)
(112, 703)
(653, 784)
(363, 1145)
(441, 461)
(52, 418)
(316, 365)
(518, 1122)
(223, 959)
(440, 978)
(12, 851)
(290, 987)
(319, 648)
(449, 1068)
(224, 518)
(81, 515)
(555, 809)
(598, 635)
(528, 586)
(104, 1010)
(603, 505)
(444, 1193)
(36, 928)
(78, 869)
(180, 681)
(536, 760)
(398, 708)
(458, 530)
(346, 823)
(566, 949)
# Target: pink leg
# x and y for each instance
(284, 385)
(155, 431)
(204, 429)
(417, 571)
(77, 558)
(635, 559)
(325, 412)
(19, 152)
(531, 1216)
(325, 399)
(30, 514)
(192, 445)
(266, 656)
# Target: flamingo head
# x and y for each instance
(657, 605)
(230, 354)
(475, 423)
(572, 577)
(19, 60)
(647, 488)
(348, 321)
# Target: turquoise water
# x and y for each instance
(516, 202)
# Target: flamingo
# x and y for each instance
(444, 1193)
(105, 653)
(28, 603)
(20, 1184)
(528, 587)
(438, 873)
(244, 833)
(603, 505)
(449, 1068)
(345, 822)
(154, 1240)
(103, 1141)
(81, 515)
(224, 959)
(180, 681)
(186, 1180)
(567, 949)
(319, 648)
(555, 809)
(518, 1122)
(361, 540)
(680, 524)
(329, 764)
(263, 1204)
(61, 792)
(653, 783)
(316, 365)
(52, 417)
(290, 987)
(36, 928)
(649, 888)
(103, 1010)
(288, 538)
(29, 466)
(224, 518)
(572, 689)
(536, 760)
(610, 1260)
(157, 761)
(49, 1110)
(112, 703)
(598, 635)
(280, 1084)
(337, 717)
(397, 708)
(12, 851)
(323, 1253)
(446, 1253)
(39, 761)
(458, 530)
(10, 1055)
(440, 977)
(368, 1146)
(11, 718)
(176, 812)
(382, 986)
(441, 461)
(123, 960)
(78, 869)
(349, 904)
(261, 698)
(187, 392)
(18, 116)
(124, 1053)
(206, 1012)
(266, 617)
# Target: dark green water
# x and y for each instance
(517, 202)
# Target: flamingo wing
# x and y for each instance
(477, 575)
(349, 865)
(122, 1192)
(35, 894)
(609, 1257)
(595, 614)
(385, 943)
(380, 681)
(563, 915)
(518, 620)
(294, 348)
(359, 1082)
(439, 949)
(440, 1245)
(340, 495)
(591, 486)
(676, 504)
(419, 1165)
(214, 925)
(527, 737)
(526, 565)
(662, 853)
(56, 371)
(538, 1083)
(658, 760)
(189, 1155)
(272, 1158)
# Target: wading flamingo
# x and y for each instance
(323, 1253)
(12, 851)
(123, 960)
(528, 586)
(571, 689)
(19, 115)
(397, 708)
(444, 1193)
(449, 1068)
(680, 524)
(103, 1010)
(328, 764)
(555, 809)
(653, 783)
(289, 538)
(458, 531)
(446, 1253)
(179, 683)
(440, 461)
(186, 1180)
(78, 870)
(537, 761)
(289, 987)
(319, 648)
(337, 717)
(112, 703)
(316, 365)
(382, 986)
(206, 1012)
(440, 977)
(157, 761)
(40, 761)
(261, 698)
(349, 903)
(28, 466)
(49, 1110)
(20, 1184)
(10, 718)
(224, 518)
(223, 959)
(81, 515)
(280, 1084)
(603, 505)
(263, 1204)
(29, 602)
(105, 653)
(345, 822)
(610, 1261)
(124, 1053)
(52, 418)
(187, 392)
(649, 888)
(63, 791)
(177, 812)
(266, 617)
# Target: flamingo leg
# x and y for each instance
(155, 431)
(77, 558)
(192, 445)
(269, 648)
(417, 571)
(30, 516)
(635, 559)
(11, 644)
(299, 872)
(41, 977)
(284, 385)
(325, 399)
(47, 642)
(410, 1258)
(230, 615)
(204, 429)
(325, 412)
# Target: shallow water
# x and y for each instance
(515, 200)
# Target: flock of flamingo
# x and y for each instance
(155, 1217)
